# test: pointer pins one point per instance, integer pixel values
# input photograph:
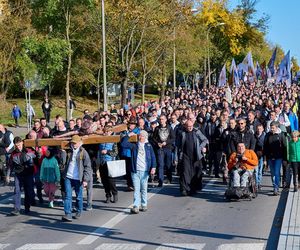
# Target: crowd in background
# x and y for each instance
(192, 134)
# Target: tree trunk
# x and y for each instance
(124, 91)
(68, 20)
(143, 89)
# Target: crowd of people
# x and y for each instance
(215, 132)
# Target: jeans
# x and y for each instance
(27, 183)
(259, 170)
(140, 184)
(164, 162)
(240, 177)
(275, 165)
(69, 185)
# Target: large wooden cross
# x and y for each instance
(88, 139)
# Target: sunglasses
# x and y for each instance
(241, 123)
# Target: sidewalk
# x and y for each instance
(290, 229)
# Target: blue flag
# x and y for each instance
(248, 64)
(271, 64)
(258, 71)
(234, 75)
(222, 77)
(284, 71)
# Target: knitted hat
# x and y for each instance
(144, 134)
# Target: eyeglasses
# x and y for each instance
(241, 123)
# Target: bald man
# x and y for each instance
(191, 147)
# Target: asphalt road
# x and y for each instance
(206, 221)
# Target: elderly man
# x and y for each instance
(241, 164)
(190, 153)
(78, 172)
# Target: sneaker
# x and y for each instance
(134, 210)
(51, 205)
(89, 208)
(15, 212)
(295, 189)
(143, 209)
(275, 193)
(27, 211)
(77, 216)
(107, 200)
(66, 218)
(259, 187)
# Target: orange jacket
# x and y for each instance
(249, 164)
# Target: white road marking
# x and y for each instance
(179, 246)
(120, 246)
(45, 246)
(242, 246)
(112, 222)
(2, 246)
(211, 187)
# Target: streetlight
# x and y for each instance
(104, 58)
(194, 10)
(208, 58)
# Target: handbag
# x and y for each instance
(116, 168)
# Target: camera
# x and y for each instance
(239, 157)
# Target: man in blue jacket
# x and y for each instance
(143, 162)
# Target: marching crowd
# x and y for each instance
(218, 132)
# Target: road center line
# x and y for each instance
(100, 231)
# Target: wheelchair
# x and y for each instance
(238, 193)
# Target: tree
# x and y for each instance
(15, 24)
(61, 19)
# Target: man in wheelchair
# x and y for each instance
(241, 165)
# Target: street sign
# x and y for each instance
(27, 84)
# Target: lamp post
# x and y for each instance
(104, 58)
(208, 56)
(174, 62)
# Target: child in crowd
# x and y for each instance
(50, 175)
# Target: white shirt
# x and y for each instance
(141, 157)
(73, 169)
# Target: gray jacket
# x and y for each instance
(200, 142)
(84, 163)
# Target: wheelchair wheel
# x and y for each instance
(253, 187)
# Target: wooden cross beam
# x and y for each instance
(89, 139)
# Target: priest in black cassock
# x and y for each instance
(191, 146)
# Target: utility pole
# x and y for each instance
(104, 59)
(174, 63)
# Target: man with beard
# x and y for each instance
(190, 152)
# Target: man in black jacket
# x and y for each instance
(164, 139)
(6, 144)
(21, 163)
(243, 135)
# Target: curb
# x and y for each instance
(290, 230)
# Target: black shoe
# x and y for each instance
(66, 218)
(27, 211)
(33, 203)
(107, 200)
(259, 187)
(41, 201)
(160, 184)
(217, 176)
(167, 181)
(114, 199)
(184, 193)
(15, 212)
(130, 188)
(77, 216)
(295, 189)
